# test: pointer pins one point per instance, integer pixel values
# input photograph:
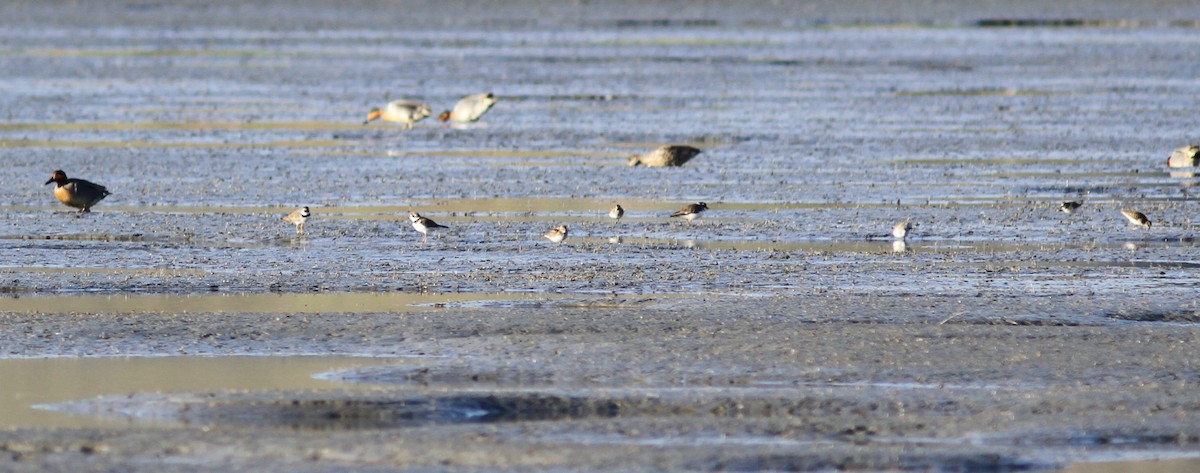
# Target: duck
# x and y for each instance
(77, 193)
(557, 234)
(401, 111)
(469, 108)
(691, 211)
(297, 218)
(665, 156)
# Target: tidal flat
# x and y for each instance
(181, 326)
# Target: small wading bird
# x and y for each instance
(297, 218)
(901, 230)
(1070, 207)
(1185, 157)
(1136, 218)
(691, 211)
(469, 108)
(401, 111)
(665, 156)
(423, 225)
(616, 213)
(557, 234)
(77, 193)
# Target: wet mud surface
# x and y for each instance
(783, 330)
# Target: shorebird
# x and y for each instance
(616, 213)
(557, 234)
(423, 225)
(901, 230)
(1185, 157)
(1070, 207)
(691, 211)
(1136, 218)
(401, 111)
(297, 218)
(664, 156)
(77, 193)
(469, 108)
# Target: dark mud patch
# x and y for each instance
(983, 462)
(1177, 316)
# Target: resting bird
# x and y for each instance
(77, 193)
(469, 108)
(691, 212)
(665, 156)
(1070, 207)
(1185, 157)
(401, 111)
(557, 234)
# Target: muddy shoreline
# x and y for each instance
(782, 331)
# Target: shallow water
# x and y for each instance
(32, 385)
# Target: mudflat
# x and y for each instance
(785, 329)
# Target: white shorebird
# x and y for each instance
(469, 108)
(616, 213)
(901, 230)
(297, 218)
(77, 193)
(406, 112)
(1185, 157)
(423, 225)
(665, 156)
(557, 234)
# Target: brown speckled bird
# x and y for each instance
(1137, 218)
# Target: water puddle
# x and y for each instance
(1149, 465)
(28, 143)
(181, 126)
(33, 382)
(254, 303)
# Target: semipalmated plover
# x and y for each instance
(423, 225)
(77, 193)
(1185, 157)
(297, 218)
(900, 230)
(469, 108)
(1070, 207)
(691, 211)
(664, 156)
(616, 213)
(1136, 218)
(401, 111)
(557, 235)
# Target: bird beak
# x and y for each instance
(49, 181)
(373, 115)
